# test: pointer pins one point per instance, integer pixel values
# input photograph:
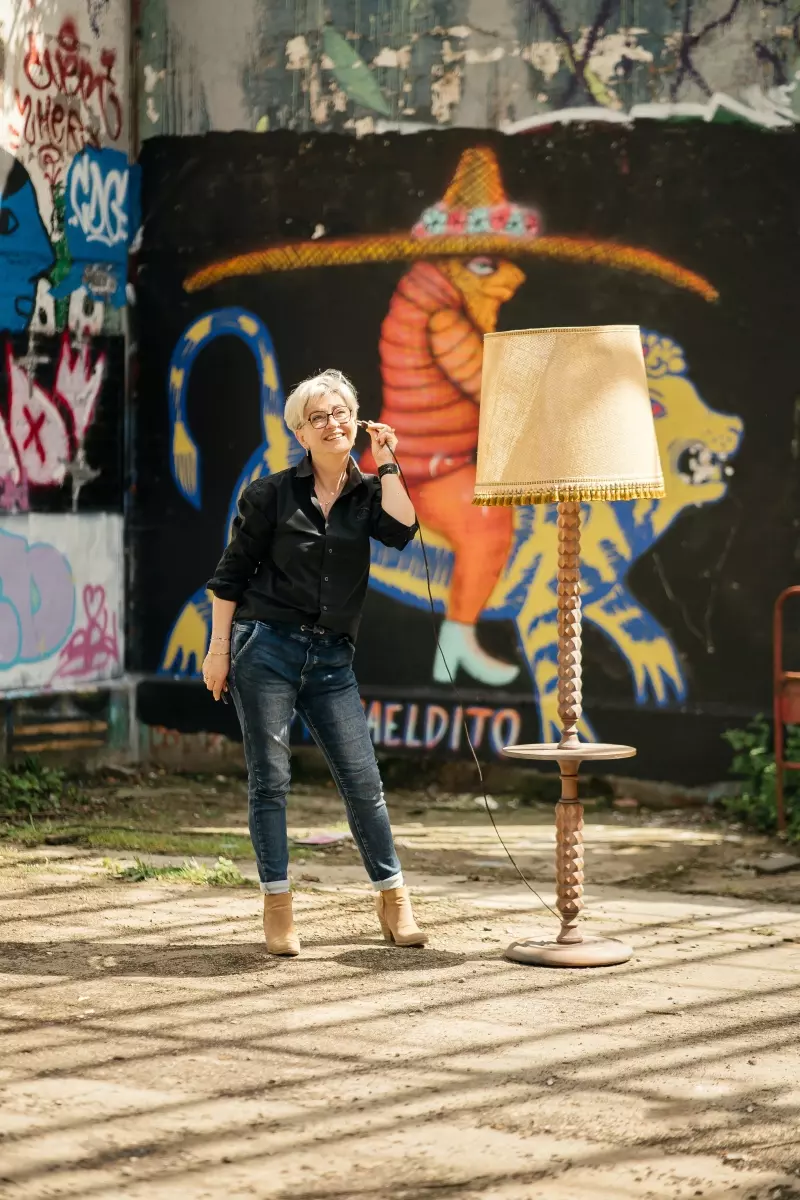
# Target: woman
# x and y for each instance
(288, 594)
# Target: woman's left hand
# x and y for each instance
(384, 441)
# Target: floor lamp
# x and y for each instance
(566, 419)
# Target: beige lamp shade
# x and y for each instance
(566, 415)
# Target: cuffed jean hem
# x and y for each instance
(383, 885)
(275, 887)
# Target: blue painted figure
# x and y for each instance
(25, 250)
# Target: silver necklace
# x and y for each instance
(327, 505)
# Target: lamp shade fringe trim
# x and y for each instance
(486, 495)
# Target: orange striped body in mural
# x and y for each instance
(431, 357)
(431, 352)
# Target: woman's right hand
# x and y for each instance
(215, 673)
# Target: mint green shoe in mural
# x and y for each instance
(458, 644)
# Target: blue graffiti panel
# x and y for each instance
(103, 213)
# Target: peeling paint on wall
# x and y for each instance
(504, 64)
(445, 95)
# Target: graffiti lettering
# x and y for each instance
(50, 130)
(71, 105)
(99, 202)
(94, 647)
(414, 726)
(68, 72)
(37, 601)
(39, 446)
(101, 206)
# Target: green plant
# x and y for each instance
(224, 874)
(31, 789)
(754, 764)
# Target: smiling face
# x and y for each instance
(25, 250)
(329, 428)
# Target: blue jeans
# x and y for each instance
(275, 671)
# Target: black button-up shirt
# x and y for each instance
(286, 563)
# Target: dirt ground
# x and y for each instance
(151, 1048)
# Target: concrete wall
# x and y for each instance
(67, 212)
(369, 65)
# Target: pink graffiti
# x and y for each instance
(94, 647)
(46, 430)
(37, 600)
(72, 103)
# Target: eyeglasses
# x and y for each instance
(319, 420)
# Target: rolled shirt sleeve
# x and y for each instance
(385, 528)
(253, 528)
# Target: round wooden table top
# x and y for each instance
(585, 752)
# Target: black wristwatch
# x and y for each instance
(388, 469)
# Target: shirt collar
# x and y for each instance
(354, 476)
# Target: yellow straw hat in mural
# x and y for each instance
(475, 217)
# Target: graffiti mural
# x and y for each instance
(68, 212)
(93, 649)
(278, 449)
(187, 642)
(60, 428)
(695, 443)
(60, 600)
(401, 301)
(101, 208)
(26, 253)
(67, 99)
(484, 571)
(68, 199)
(364, 66)
(491, 562)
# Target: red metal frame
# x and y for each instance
(786, 701)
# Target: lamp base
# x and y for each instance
(590, 952)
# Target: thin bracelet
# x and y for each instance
(218, 654)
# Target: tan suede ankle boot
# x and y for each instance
(397, 919)
(279, 926)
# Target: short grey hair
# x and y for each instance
(316, 388)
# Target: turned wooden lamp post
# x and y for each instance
(566, 418)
